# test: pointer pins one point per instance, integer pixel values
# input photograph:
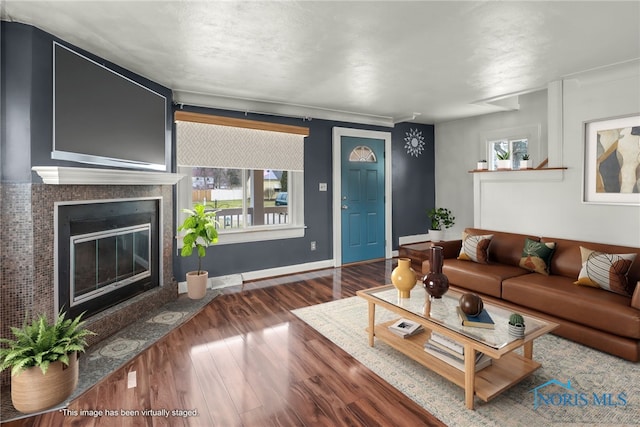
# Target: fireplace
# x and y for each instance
(106, 252)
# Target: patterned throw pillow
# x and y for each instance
(536, 256)
(475, 248)
(606, 271)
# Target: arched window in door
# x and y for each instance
(362, 153)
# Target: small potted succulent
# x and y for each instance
(524, 163)
(504, 160)
(516, 325)
(482, 165)
(441, 218)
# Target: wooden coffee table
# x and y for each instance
(507, 368)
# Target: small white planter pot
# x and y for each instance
(524, 164)
(436, 235)
(504, 164)
(516, 331)
(481, 166)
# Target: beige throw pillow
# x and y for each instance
(606, 271)
(475, 248)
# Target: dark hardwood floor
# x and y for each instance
(245, 360)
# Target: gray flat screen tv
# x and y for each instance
(102, 117)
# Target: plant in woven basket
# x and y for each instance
(41, 343)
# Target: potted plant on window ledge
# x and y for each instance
(524, 163)
(504, 160)
(201, 231)
(43, 359)
(441, 219)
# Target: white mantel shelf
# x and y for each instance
(57, 175)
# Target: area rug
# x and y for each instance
(108, 355)
(576, 385)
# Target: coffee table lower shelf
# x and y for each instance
(502, 374)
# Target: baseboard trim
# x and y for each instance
(406, 240)
(289, 269)
(220, 282)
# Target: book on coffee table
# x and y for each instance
(447, 343)
(405, 328)
(482, 320)
(482, 360)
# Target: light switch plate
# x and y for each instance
(323, 186)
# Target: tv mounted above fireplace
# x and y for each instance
(102, 117)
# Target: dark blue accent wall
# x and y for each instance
(413, 181)
(27, 135)
(16, 57)
(412, 194)
(27, 100)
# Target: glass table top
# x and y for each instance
(443, 311)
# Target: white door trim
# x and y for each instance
(338, 133)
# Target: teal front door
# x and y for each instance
(362, 199)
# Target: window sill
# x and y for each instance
(229, 237)
(260, 234)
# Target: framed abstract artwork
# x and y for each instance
(612, 161)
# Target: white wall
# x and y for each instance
(540, 203)
(460, 144)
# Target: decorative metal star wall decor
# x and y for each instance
(414, 142)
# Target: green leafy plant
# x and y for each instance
(441, 217)
(525, 157)
(201, 231)
(503, 156)
(41, 343)
(516, 319)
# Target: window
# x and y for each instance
(362, 154)
(252, 177)
(243, 198)
(516, 148)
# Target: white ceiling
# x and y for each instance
(370, 62)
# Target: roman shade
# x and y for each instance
(219, 142)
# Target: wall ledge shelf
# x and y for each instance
(516, 170)
(523, 175)
(56, 175)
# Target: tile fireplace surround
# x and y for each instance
(27, 254)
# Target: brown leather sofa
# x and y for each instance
(594, 317)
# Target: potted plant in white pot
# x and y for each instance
(201, 231)
(524, 163)
(43, 359)
(516, 326)
(504, 160)
(441, 219)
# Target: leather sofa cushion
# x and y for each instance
(505, 248)
(567, 261)
(483, 278)
(559, 296)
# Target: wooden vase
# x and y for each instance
(33, 391)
